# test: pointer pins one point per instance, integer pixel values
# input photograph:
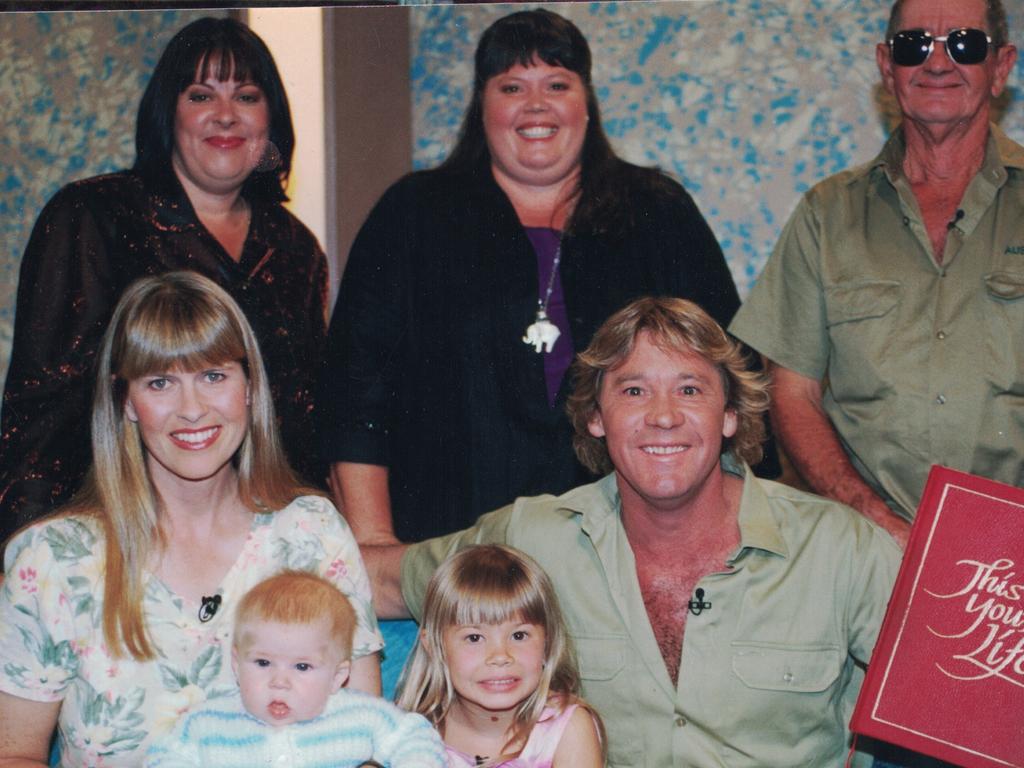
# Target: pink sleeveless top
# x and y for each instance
(540, 747)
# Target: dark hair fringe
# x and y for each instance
(607, 183)
(238, 53)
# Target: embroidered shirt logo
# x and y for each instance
(1014, 250)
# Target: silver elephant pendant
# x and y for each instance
(542, 334)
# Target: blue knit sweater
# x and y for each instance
(353, 728)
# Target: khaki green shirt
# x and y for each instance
(923, 363)
(767, 675)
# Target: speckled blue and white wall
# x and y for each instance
(747, 102)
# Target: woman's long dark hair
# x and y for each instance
(523, 38)
(224, 48)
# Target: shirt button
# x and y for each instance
(906, 221)
(788, 677)
(680, 722)
(940, 335)
(941, 399)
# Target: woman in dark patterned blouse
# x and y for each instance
(214, 143)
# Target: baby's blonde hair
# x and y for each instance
(489, 584)
(298, 597)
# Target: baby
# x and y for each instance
(290, 653)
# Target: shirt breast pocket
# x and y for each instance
(790, 669)
(1004, 313)
(609, 687)
(861, 316)
(786, 703)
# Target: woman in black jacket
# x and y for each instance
(471, 286)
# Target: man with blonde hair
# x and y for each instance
(718, 618)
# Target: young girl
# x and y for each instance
(494, 669)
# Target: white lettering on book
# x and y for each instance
(994, 622)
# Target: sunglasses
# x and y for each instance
(912, 47)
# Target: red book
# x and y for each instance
(947, 675)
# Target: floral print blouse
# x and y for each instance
(51, 631)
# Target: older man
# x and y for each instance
(892, 309)
(717, 617)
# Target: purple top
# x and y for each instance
(545, 242)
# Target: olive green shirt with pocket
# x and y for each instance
(767, 675)
(922, 363)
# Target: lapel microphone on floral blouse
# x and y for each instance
(208, 607)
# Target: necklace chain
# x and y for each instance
(542, 304)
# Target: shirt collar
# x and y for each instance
(174, 211)
(1005, 150)
(1001, 153)
(599, 505)
(758, 527)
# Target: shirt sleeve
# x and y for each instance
(361, 365)
(784, 316)
(293, 365)
(342, 564)
(38, 606)
(875, 564)
(65, 297)
(319, 292)
(421, 560)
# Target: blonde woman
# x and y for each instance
(116, 614)
(494, 669)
